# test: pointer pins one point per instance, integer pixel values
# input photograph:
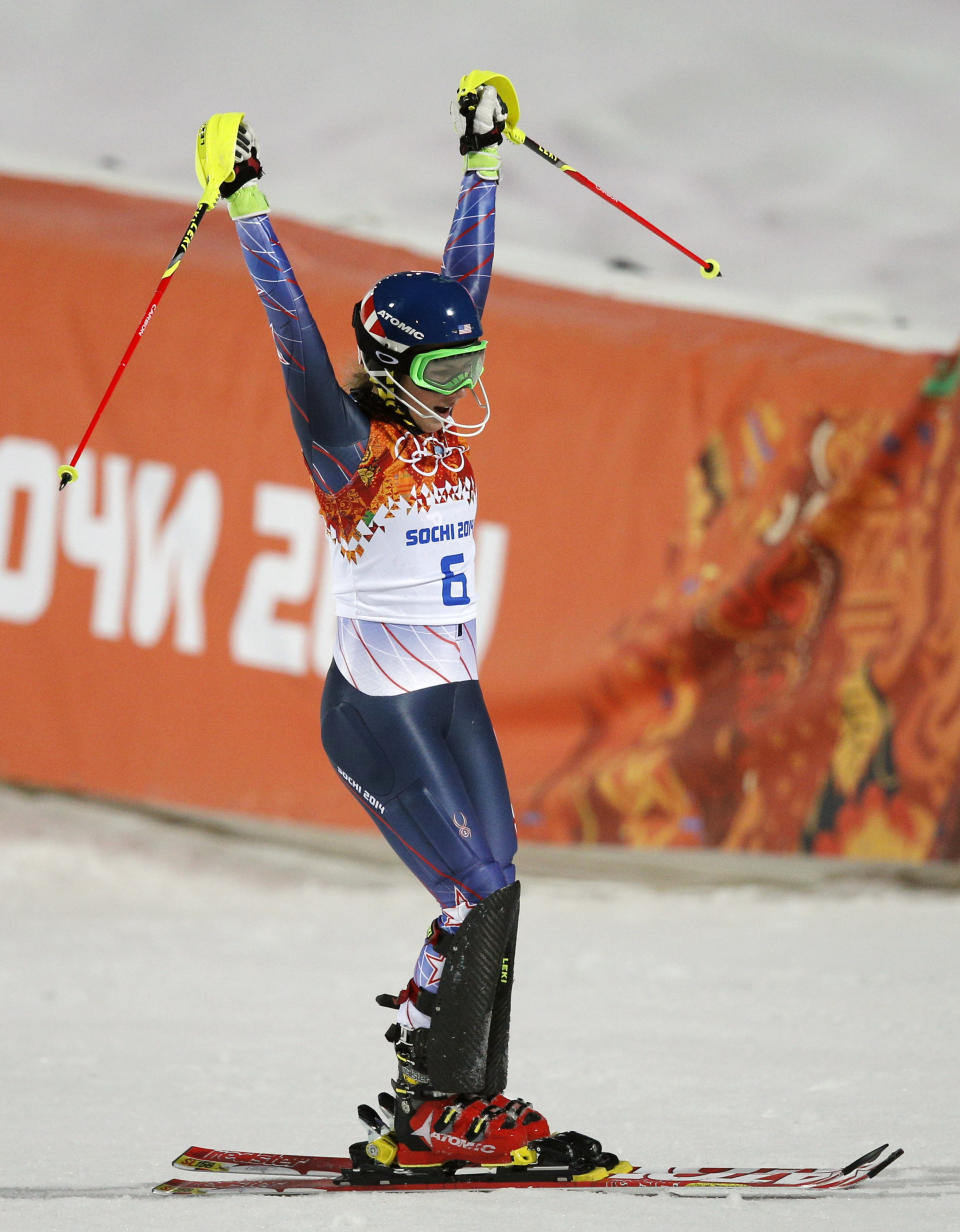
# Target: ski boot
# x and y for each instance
(426, 1128)
(448, 1109)
(436, 1134)
(437, 1156)
(433, 1133)
(433, 1127)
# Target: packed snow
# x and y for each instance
(163, 986)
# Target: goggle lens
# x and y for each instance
(447, 370)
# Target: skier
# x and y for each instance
(403, 719)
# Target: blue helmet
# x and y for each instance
(410, 312)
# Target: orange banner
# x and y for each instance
(718, 555)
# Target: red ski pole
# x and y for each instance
(69, 472)
(474, 81)
(708, 269)
(214, 160)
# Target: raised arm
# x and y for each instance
(468, 256)
(332, 429)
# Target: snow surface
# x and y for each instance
(163, 987)
(808, 147)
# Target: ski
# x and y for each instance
(301, 1174)
(203, 1159)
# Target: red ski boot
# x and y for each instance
(435, 1127)
(448, 1128)
(430, 1129)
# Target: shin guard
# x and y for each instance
(468, 1039)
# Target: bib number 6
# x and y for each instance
(454, 583)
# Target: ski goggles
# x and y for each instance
(448, 369)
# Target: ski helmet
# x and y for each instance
(410, 312)
(422, 321)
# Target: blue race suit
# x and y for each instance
(418, 753)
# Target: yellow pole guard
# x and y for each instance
(471, 82)
(216, 144)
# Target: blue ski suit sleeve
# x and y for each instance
(468, 255)
(332, 430)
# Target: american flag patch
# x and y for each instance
(465, 329)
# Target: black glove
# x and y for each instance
(484, 113)
(246, 164)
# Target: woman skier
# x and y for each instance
(403, 719)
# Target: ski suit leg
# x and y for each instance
(426, 767)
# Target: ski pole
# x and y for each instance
(216, 141)
(708, 269)
(504, 87)
(69, 472)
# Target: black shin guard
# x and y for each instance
(469, 1033)
(498, 1045)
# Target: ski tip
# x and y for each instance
(195, 1159)
(864, 1160)
(885, 1163)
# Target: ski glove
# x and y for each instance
(242, 193)
(483, 114)
(246, 165)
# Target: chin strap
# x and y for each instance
(413, 403)
(473, 429)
